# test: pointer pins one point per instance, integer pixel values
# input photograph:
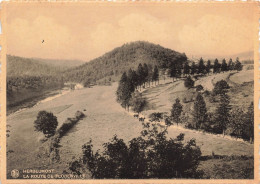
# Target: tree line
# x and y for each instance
(177, 70)
(15, 84)
(134, 80)
(224, 120)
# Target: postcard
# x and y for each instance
(129, 92)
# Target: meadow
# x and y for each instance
(105, 118)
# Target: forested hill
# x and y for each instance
(19, 66)
(111, 65)
(63, 63)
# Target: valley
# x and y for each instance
(105, 118)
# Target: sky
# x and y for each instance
(88, 30)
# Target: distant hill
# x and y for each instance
(63, 63)
(244, 56)
(111, 65)
(19, 66)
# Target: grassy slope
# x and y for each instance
(163, 96)
(105, 118)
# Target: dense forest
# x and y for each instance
(28, 79)
(146, 73)
(111, 65)
(19, 66)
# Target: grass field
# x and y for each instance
(105, 118)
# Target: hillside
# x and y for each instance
(29, 80)
(63, 63)
(112, 64)
(19, 66)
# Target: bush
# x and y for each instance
(69, 123)
(151, 155)
(53, 146)
(65, 127)
(184, 100)
(138, 102)
(168, 121)
(156, 116)
(79, 115)
(46, 122)
(206, 93)
(188, 83)
(199, 88)
(221, 87)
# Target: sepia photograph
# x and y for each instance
(109, 90)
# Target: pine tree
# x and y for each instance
(238, 66)
(150, 73)
(224, 66)
(200, 116)
(249, 123)
(188, 83)
(216, 66)
(178, 70)
(223, 113)
(201, 67)
(140, 74)
(230, 65)
(135, 79)
(193, 68)
(173, 71)
(132, 80)
(124, 92)
(146, 73)
(156, 74)
(176, 111)
(208, 66)
(186, 69)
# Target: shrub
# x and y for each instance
(55, 140)
(69, 123)
(151, 155)
(137, 102)
(79, 115)
(199, 88)
(184, 100)
(206, 93)
(221, 87)
(168, 122)
(46, 122)
(188, 83)
(156, 116)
